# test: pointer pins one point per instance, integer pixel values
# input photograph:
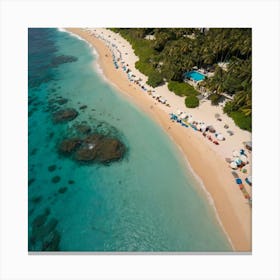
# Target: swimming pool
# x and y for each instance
(196, 76)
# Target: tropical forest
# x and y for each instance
(167, 54)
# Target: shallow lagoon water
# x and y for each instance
(145, 202)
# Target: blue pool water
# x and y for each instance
(148, 201)
(195, 76)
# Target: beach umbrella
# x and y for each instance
(233, 165)
(211, 129)
(217, 116)
(235, 153)
(183, 116)
(242, 152)
(203, 127)
(249, 180)
(230, 132)
(238, 181)
(179, 112)
(220, 137)
(248, 145)
(238, 161)
(243, 158)
(235, 175)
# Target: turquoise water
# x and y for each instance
(144, 202)
(195, 76)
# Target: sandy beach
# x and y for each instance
(206, 159)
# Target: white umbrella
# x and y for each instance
(249, 179)
(238, 161)
(203, 127)
(243, 158)
(235, 153)
(179, 112)
(156, 95)
(220, 137)
(233, 165)
(183, 116)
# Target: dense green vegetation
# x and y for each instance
(177, 50)
(241, 120)
(182, 89)
(191, 101)
(154, 79)
(215, 98)
(144, 50)
(242, 115)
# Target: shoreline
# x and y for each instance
(209, 166)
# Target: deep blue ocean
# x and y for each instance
(145, 202)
